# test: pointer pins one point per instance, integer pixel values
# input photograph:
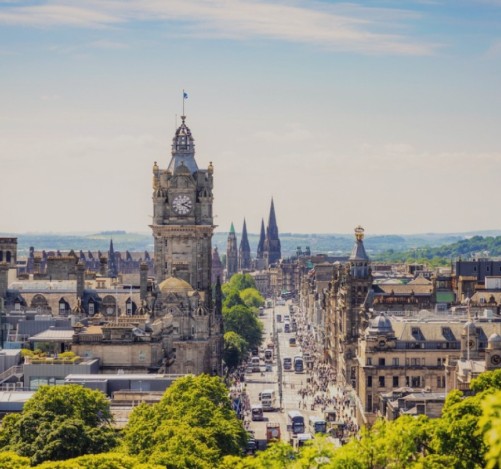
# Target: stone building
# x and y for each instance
(346, 316)
(129, 321)
(430, 352)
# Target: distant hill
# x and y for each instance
(383, 247)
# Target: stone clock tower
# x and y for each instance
(182, 216)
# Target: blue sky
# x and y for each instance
(382, 113)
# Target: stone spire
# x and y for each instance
(272, 248)
(231, 253)
(262, 238)
(183, 149)
(244, 251)
(112, 263)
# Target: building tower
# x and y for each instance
(351, 285)
(182, 228)
(244, 252)
(272, 249)
(112, 262)
(262, 239)
(231, 254)
(182, 215)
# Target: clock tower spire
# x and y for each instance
(182, 215)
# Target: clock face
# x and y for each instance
(496, 359)
(182, 205)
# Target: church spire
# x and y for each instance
(262, 238)
(272, 247)
(244, 251)
(112, 264)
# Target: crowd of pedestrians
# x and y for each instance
(320, 390)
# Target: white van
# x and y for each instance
(268, 399)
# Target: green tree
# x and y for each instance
(232, 299)
(241, 320)
(192, 426)
(240, 282)
(457, 434)
(100, 461)
(487, 381)
(490, 424)
(10, 460)
(60, 422)
(252, 298)
(234, 351)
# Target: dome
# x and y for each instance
(380, 325)
(495, 339)
(175, 285)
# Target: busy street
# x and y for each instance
(287, 383)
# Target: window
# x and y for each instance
(369, 381)
(440, 361)
(395, 381)
(415, 361)
(381, 382)
(382, 362)
(395, 361)
(416, 381)
(440, 381)
(91, 308)
(369, 361)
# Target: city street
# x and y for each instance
(291, 382)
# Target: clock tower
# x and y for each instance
(182, 215)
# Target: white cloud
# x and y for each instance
(340, 27)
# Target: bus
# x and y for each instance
(268, 399)
(257, 412)
(287, 364)
(298, 364)
(295, 421)
(317, 425)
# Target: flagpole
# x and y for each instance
(183, 102)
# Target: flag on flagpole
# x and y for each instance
(185, 95)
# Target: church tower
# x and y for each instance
(182, 215)
(231, 254)
(244, 251)
(272, 248)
